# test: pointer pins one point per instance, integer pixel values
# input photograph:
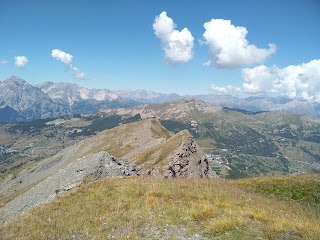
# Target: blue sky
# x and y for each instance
(114, 45)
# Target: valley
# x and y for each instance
(252, 144)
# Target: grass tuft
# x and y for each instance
(258, 215)
(221, 226)
(203, 212)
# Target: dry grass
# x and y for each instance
(159, 130)
(125, 138)
(159, 155)
(135, 208)
(223, 225)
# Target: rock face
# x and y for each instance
(29, 101)
(188, 161)
(177, 157)
(82, 100)
(110, 166)
(99, 165)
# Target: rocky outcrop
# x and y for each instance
(123, 142)
(146, 144)
(99, 165)
(188, 161)
(110, 166)
(177, 157)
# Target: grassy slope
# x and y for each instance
(160, 155)
(303, 188)
(127, 137)
(130, 138)
(135, 208)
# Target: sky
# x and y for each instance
(182, 46)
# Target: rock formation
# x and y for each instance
(99, 165)
(188, 161)
(146, 147)
(177, 157)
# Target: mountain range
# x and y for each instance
(21, 101)
(264, 103)
(250, 144)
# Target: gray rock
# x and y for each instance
(111, 166)
(188, 162)
(97, 166)
(29, 101)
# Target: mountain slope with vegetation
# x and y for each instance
(32, 141)
(302, 188)
(252, 144)
(248, 144)
(147, 208)
(123, 142)
(90, 159)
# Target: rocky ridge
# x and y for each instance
(178, 109)
(89, 160)
(177, 157)
(188, 161)
(92, 168)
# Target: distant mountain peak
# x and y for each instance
(15, 80)
(13, 77)
(260, 103)
(192, 102)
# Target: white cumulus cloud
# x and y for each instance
(67, 59)
(229, 46)
(21, 61)
(225, 89)
(207, 63)
(295, 81)
(62, 56)
(177, 45)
